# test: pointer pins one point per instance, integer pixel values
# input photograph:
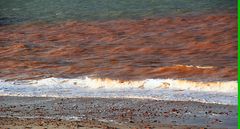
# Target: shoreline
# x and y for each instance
(113, 113)
(155, 89)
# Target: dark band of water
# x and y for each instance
(18, 11)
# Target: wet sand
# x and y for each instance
(200, 48)
(35, 112)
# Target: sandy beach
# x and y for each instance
(42, 112)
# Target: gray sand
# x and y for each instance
(35, 112)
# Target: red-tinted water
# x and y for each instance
(196, 48)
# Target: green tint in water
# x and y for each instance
(55, 10)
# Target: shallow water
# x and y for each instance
(200, 48)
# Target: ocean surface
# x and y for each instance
(183, 50)
(18, 11)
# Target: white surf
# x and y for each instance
(159, 89)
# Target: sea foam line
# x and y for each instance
(162, 89)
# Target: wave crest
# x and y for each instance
(160, 89)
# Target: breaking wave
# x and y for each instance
(159, 89)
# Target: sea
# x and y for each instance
(177, 50)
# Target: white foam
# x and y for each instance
(197, 66)
(160, 89)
